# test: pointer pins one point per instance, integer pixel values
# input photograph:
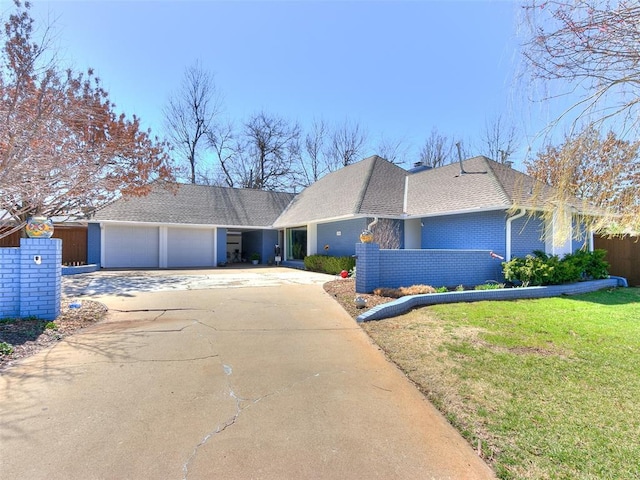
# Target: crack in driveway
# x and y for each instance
(231, 421)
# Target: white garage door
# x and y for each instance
(190, 247)
(130, 247)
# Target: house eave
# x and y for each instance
(351, 216)
(183, 225)
(316, 221)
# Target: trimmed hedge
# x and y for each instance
(543, 269)
(327, 264)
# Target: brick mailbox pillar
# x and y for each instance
(40, 277)
(367, 267)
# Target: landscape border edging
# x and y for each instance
(68, 270)
(404, 304)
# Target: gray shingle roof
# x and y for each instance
(200, 205)
(371, 187)
(444, 190)
(486, 185)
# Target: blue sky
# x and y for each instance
(396, 68)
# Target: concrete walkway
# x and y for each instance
(271, 382)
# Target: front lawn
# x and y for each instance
(545, 389)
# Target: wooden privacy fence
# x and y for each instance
(74, 243)
(623, 255)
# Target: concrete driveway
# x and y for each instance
(128, 282)
(254, 382)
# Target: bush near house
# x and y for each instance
(328, 264)
(543, 269)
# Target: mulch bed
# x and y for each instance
(28, 336)
(344, 292)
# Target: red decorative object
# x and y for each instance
(344, 274)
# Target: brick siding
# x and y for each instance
(340, 245)
(403, 268)
(473, 231)
(28, 288)
(526, 236)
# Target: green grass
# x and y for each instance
(551, 387)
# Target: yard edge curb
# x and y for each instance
(404, 304)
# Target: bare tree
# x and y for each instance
(222, 139)
(314, 163)
(591, 50)
(437, 150)
(271, 149)
(190, 114)
(394, 151)
(64, 151)
(346, 145)
(386, 233)
(499, 140)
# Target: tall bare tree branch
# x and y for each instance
(272, 147)
(436, 150)
(590, 50)
(346, 145)
(190, 114)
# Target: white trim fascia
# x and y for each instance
(405, 199)
(402, 216)
(312, 239)
(317, 221)
(215, 247)
(239, 227)
(181, 225)
(102, 245)
(352, 217)
(163, 249)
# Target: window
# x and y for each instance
(296, 243)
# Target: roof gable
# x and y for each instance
(370, 187)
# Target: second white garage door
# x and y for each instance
(190, 247)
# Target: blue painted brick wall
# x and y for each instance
(437, 268)
(93, 244)
(9, 282)
(340, 245)
(475, 231)
(221, 239)
(40, 284)
(269, 241)
(403, 268)
(28, 288)
(526, 236)
(367, 267)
